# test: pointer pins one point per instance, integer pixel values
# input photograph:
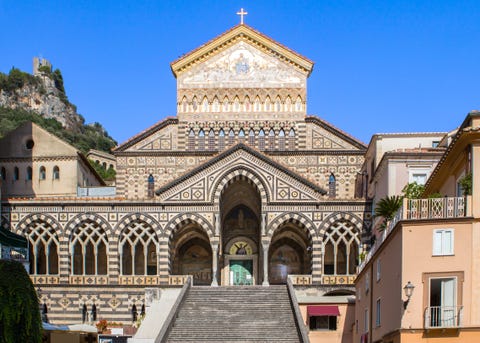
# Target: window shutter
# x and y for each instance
(437, 242)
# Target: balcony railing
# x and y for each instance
(443, 317)
(422, 209)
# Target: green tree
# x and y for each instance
(466, 184)
(387, 207)
(20, 319)
(413, 190)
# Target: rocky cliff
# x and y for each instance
(42, 93)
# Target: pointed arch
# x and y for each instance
(258, 105)
(251, 137)
(288, 104)
(261, 140)
(195, 104)
(225, 104)
(215, 105)
(205, 105)
(278, 104)
(246, 104)
(236, 104)
(211, 139)
(237, 173)
(184, 104)
(268, 104)
(281, 139)
(298, 104)
(221, 139)
(231, 136)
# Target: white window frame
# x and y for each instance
(414, 170)
(441, 248)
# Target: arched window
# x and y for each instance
(16, 174)
(271, 139)
(261, 140)
(281, 140)
(191, 140)
(211, 139)
(205, 105)
(215, 105)
(44, 245)
(267, 104)
(194, 104)
(251, 137)
(231, 137)
(332, 186)
(56, 173)
(134, 313)
(288, 104)
(236, 104)
(278, 105)
(225, 104)
(241, 136)
(201, 140)
(340, 249)
(291, 139)
(42, 173)
(4, 173)
(257, 104)
(29, 174)
(246, 104)
(84, 313)
(298, 104)
(88, 249)
(138, 249)
(150, 186)
(184, 104)
(221, 139)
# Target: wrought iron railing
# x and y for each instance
(442, 317)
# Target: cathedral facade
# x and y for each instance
(241, 187)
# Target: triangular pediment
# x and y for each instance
(246, 34)
(324, 136)
(278, 183)
(242, 65)
(159, 137)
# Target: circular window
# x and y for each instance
(30, 143)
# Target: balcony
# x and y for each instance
(423, 209)
(443, 317)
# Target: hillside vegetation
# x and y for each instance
(86, 137)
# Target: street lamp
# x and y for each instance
(408, 289)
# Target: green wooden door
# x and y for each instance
(241, 272)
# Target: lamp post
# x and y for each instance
(408, 289)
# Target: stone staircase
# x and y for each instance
(235, 314)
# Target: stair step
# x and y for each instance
(235, 314)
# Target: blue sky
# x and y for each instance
(380, 66)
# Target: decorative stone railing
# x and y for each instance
(338, 279)
(141, 280)
(45, 279)
(301, 279)
(88, 279)
(423, 209)
(177, 280)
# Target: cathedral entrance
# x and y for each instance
(240, 208)
(241, 272)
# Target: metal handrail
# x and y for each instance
(443, 317)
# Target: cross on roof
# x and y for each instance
(242, 13)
